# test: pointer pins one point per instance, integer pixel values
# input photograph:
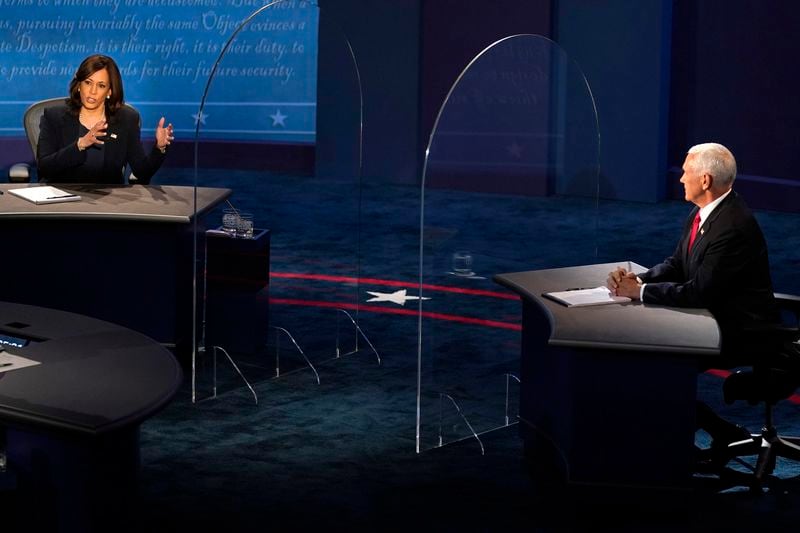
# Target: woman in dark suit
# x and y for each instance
(94, 135)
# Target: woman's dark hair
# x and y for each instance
(89, 66)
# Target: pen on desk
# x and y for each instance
(3, 365)
(61, 196)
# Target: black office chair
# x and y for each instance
(21, 172)
(769, 384)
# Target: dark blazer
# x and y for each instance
(727, 270)
(59, 160)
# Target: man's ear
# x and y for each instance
(706, 181)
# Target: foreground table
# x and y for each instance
(72, 421)
(608, 392)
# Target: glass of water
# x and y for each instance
(462, 263)
(244, 226)
(230, 221)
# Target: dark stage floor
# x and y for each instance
(341, 455)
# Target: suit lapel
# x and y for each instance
(71, 127)
(705, 233)
(111, 146)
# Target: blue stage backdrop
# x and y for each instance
(264, 90)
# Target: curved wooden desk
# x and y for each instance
(72, 421)
(123, 254)
(608, 392)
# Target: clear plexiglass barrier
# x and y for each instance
(276, 276)
(510, 183)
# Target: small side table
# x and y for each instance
(237, 291)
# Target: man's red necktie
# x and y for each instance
(693, 234)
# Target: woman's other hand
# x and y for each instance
(164, 135)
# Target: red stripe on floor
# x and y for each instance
(397, 311)
(394, 283)
(720, 373)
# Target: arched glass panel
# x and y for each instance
(510, 183)
(277, 275)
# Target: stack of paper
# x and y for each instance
(10, 362)
(45, 194)
(583, 297)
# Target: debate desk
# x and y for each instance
(72, 420)
(122, 253)
(608, 392)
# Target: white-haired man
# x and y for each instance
(720, 263)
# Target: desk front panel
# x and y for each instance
(138, 275)
(123, 254)
(605, 416)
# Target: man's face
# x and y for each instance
(692, 181)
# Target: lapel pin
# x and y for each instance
(113, 135)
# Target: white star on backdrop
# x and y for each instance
(199, 117)
(397, 297)
(278, 118)
(514, 149)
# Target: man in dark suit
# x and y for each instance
(726, 268)
(720, 263)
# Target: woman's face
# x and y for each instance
(94, 90)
